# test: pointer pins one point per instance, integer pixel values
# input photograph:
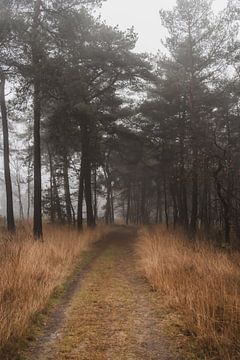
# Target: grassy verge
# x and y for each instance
(33, 278)
(201, 285)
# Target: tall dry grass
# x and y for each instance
(30, 271)
(201, 283)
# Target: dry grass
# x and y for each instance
(30, 271)
(199, 282)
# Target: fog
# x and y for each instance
(144, 16)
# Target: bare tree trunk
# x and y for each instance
(112, 204)
(7, 171)
(95, 196)
(182, 193)
(185, 205)
(128, 204)
(205, 196)
(37, 219)
(144, 219)
(165, 201)
(175, 205)
(108, 209)
(21, 212)
(80, 199)
(87, 173)
(29, 188)
(108, 213)
(73, 214)
(158, 218)
(52, 202)
(67, 190)
(194, 214)
(37, 228)
(88, 195)
(225, 204)
(57, 202)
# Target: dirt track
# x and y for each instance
(107, 313)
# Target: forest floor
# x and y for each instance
(108, 312)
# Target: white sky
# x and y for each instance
(144, 16)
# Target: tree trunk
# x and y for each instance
(193, 117)
(57, 203)
(175, 205)
(37, 220)
(184, 205)
(95, 196)
(52, 203)
(108, 213)
(80, 199)
(73, 215)
(29, 188)
(205, 196)
(87, 173)
(67, 190)
(112, 204)
(182, 192)
(225, 204)
(128, 204)
(88, 195)
(21, 212)
(194, 214)
(165, 201)
(144, 219)
(7, 171)
(158, 219)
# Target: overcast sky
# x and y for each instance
(144, 16)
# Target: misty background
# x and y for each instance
(144, 17)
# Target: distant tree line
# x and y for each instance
(153, 138)
(188, 129)
(68, 67)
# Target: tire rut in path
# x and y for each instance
(109, 315)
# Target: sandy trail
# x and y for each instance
(108, 313)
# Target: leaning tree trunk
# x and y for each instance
(7, 172)
(37, 219)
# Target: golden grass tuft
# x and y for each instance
(31, 270)
(200, 282)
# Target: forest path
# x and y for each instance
(110, 315)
